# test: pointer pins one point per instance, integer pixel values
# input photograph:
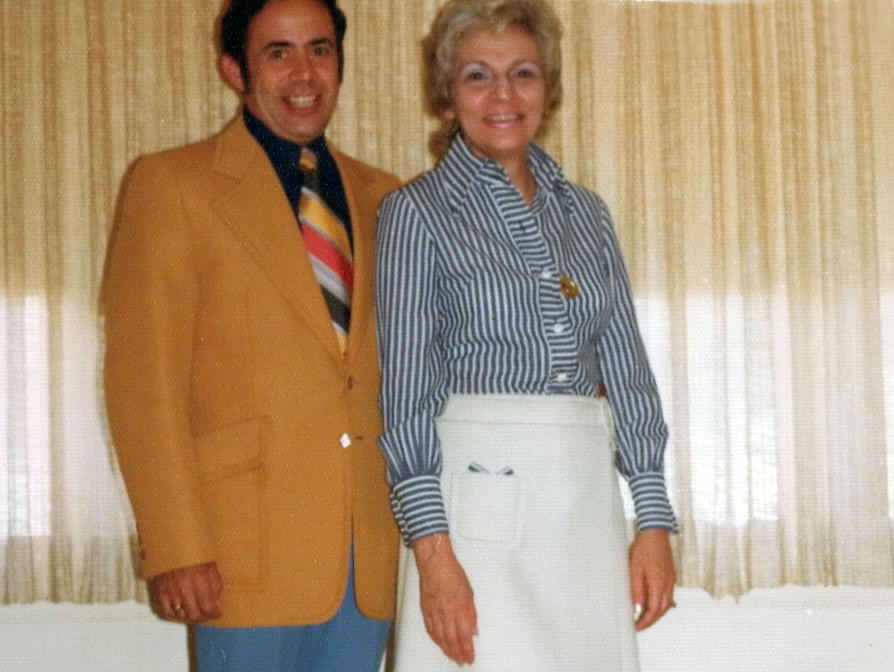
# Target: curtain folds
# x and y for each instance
(746, 149)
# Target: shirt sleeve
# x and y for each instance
(641, 432)
(413, 383)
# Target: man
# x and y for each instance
(240, 370)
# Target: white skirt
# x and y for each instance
(536, 521)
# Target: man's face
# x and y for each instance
(292, 63)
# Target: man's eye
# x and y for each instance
(278, 54)
(322, 49)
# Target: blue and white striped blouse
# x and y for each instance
(469, 302)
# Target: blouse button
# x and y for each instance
(561, 377)
(546, 274)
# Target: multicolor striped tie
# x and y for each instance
(329, 248)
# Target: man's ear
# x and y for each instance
(232, 73)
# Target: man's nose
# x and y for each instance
(302, 69)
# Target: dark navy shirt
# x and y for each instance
(284, 156)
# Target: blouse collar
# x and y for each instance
(462, 170)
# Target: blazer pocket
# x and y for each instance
(231, 469)
(487, 506)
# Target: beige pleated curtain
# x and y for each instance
(747, 152)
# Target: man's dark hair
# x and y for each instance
(238, 15)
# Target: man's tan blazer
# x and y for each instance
(244, 435)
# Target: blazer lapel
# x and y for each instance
(359, 205)
(362, 207)
(257, 212)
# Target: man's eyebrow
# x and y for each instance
(322, 41)
(278, 44)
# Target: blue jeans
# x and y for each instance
(348, 642)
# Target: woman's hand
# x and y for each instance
(448, 606)
(651, 575)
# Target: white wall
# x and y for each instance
(787, 630)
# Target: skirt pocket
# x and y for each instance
(486, 506)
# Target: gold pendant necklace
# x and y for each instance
(568, 286)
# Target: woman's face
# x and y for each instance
(498, 92)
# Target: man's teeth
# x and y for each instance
(504, 117)
(302, 101)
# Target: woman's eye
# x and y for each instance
(527, 73)
(476, 76)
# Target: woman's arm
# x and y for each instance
(641, 438)
(641, 432)
(413, 395)
(413, 389)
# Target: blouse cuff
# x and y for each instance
(651, 503)
(419, 507)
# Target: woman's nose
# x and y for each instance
(502, 88)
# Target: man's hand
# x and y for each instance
(651, 575)
(187, 594)
(448, 606)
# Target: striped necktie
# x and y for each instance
(329, 248)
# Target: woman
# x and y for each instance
(504, 312)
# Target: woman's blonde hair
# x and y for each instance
(458, 18)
